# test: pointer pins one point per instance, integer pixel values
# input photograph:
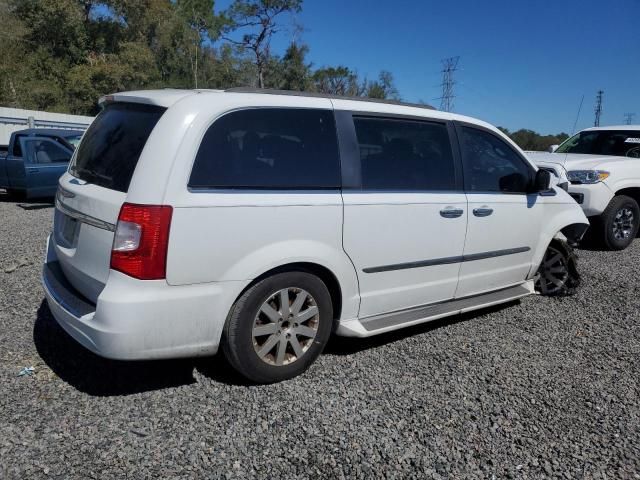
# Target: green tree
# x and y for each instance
(383, 88)
(134, 67)
(296, 72)
(258, 18)
(533, 141)
(204, 25)
(338, 80)
(62, 55)
(13, 51)
(57, 26)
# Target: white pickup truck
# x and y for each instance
(602, 165)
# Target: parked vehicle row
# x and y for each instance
(35, 160)
(259, 223)
(603, 170)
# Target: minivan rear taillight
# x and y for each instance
(141, 240)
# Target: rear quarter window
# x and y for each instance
(111, 147)
(269, 148)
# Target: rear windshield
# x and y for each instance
(109, 151)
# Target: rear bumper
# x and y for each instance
(137, 320)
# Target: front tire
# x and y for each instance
(558, 272)
(278, 327)
(619, 222)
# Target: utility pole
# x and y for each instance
(628, 118)
(598, 109)
(449, 66)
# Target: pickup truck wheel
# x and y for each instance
(619, 222)
(278, 327)
(558, 272)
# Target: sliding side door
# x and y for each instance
(405, 214)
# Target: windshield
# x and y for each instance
(617, 143)
(109, 151)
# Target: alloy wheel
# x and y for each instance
(623, 223)
(285, 326)
(553, 273)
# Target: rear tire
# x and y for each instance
(619, 223)
(278, 327)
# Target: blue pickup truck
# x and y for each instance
(35, 160)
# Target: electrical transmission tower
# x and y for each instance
(598, 109)
(449, 66)
(628, 118)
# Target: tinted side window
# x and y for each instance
(404, 155)
(491, 165)
(275, 148)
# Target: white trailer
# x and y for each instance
(13, 119)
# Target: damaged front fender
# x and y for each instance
(574, 233)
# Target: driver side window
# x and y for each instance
(490, 164)
(44, 151)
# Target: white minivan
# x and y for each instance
(262, 221)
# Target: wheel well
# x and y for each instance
(556, 242)
(633, 192)
(574, 232)
(319, 271)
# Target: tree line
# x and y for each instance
(530, 140)
(62, 55)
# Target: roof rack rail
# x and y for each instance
(294, 93)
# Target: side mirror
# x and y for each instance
(542, 181)
(552, 148)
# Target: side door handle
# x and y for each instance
(451, 212)
(32, 169)
(482, 212)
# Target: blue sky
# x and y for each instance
(523, 64)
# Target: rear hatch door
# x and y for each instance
(93, 190)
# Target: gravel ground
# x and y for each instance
(538, 388)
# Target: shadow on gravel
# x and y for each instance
(349, 346)
(218, 369)
(35, 206)
(98, 376)
(27, 204)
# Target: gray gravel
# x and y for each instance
(540, 388)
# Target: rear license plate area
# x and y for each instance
(70, 226)
(66, 229)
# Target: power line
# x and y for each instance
(598, 109)
(628, 118)
(449, 66)
(575, 124)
